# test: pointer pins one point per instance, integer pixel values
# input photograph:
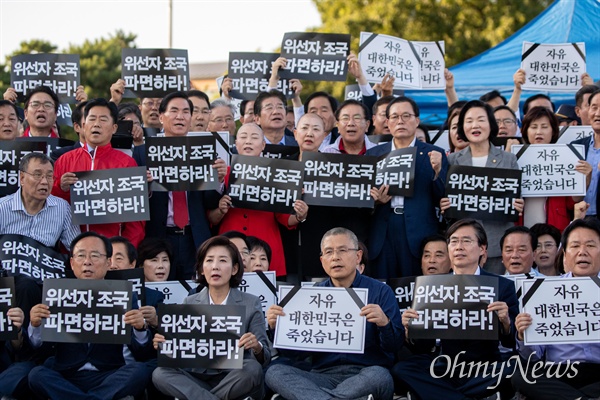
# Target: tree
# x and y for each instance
(468, 27)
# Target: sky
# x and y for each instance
(208, 29)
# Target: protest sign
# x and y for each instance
(201, 336)
(11, 152)
(380, 55)
(22, 255)
(182, 163)
(571, 133)
(250, 73)
(266, 184)
(7, 301)
(155, 72)
(86, 311)
(338, 180)
(454, 307)
(549, 169)
(553, 67)
(433, 64)
(563, 310)
(397, 170)
(60, 72)
(110, 195)
(322, 319)
(315, 56)
(483, 193)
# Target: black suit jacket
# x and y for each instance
(59, 152)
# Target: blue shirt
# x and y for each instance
(593, 157)
(380, 342)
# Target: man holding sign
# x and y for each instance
(99, 126)
(581, 246)
(345, 375)
(84, 370)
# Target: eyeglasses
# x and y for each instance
(464, 241)
(342, 251)
(48, 105)
(94, 256)
(405, 117)
(505, 121)
(346, 119)
(546, 246)
(151, 103)
(271, 107)
(38, 176)
(219, 120)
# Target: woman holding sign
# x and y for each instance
(540, 126)
(220, 270)
(477, 126)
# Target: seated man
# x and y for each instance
(343, 375)
(9, 120)
(90, 371)
(434, 258)
(581, 244)
(424, 374)
(518, 244)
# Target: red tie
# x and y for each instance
(180, 209)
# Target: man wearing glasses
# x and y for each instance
(41, 108)
(506, 120)
(353, 124)
(150, 115)
(399, 223)
(32, 211)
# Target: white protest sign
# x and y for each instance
(432, 64)
(553, 67)
(252, 283)
(382, 54)
(442, 140)
(322, 319)
(173, 291)
(549, 170)
(570, 133)
(563, 310)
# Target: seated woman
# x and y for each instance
(154, 256)
(219, 269)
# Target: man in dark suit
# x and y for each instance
(84, 370)
(400, 224)
(77, 119)
(431, 376)
(185, 237)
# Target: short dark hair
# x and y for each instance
(507, 108)
(432, 238)
(41, 157)
(546, 229)
(592, 95)
(479, 230)
(256, 243)
(200, 94)
(4, 103)
(385, 100)
(587, 89)
(533, 115)
(114, 112)
(129, 108)
(535, 97)
(591, 223)
(332, 100)
(42, 89)
(235, 235)
(81, 236)
(243, 105)
(364, 259)
(520, 229)
(426, 132)
(490, 115)
(174, 95)
(150, 247)
(489, 96)
(131, 251)
(403, 99)
(77, 114)
(262, 96)
(236, 259)
(453, 111)
(352, 102)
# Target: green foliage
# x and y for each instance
(468, 27)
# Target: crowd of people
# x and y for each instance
(199, 235)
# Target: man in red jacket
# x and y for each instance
(100, 123)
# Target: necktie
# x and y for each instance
(180, 209)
